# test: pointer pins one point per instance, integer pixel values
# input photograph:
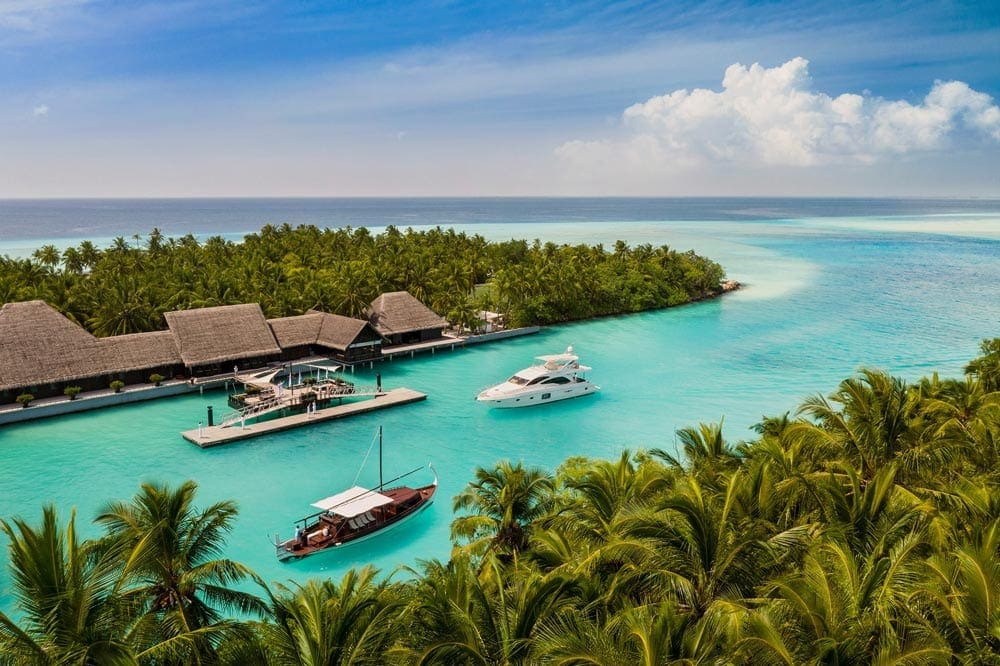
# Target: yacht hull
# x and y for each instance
(538, 397)
(286, 554)
(315, 540)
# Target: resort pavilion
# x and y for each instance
(342, 338)
(401, 319)
(214, 340)
(42, 352)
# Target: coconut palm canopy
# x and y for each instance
(227, 332)
(399, 312)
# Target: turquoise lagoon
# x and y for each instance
(824, 297)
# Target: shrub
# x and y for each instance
(72, 391)
(25, 399)
(155, 379)
(117, 386)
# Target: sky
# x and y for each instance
(180, 98)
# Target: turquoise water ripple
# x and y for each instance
(823, 298)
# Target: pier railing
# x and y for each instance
(254, 410)
(297, 398)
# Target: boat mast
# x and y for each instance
(380, 458)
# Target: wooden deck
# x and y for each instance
(217, 435)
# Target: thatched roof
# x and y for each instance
(224, 333)
(140, 351)
(296, 331)
(38, 345)
(399, 312)
(322, 328)
(337, 331)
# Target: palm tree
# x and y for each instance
(504, 501)
(705, 448)
(322, 623)
(602, 492)
(700, 550)
(647, 635)
(461, 616)
(872, 517)
(839, 608)
(48, 256)
(872, 426)
(65, 591)
(168, 549)
(961, 423)
(987, 367)
(965, 601)
(121, 304)
(352, 286)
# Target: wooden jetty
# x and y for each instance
(216, 435)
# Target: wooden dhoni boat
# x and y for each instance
(356, 514)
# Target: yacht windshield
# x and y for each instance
(519, 380)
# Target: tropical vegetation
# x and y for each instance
(862, 528)
(126, 287)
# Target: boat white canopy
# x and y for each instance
(352, 502)
(260, 380)
(558, 358)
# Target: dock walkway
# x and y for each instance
(208, 436)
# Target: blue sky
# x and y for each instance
(354, 98)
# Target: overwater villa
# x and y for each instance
(42, 352)
(401, 319)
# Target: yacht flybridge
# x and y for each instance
(554, 377)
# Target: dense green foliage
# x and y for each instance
(863, 529)
(127, 287)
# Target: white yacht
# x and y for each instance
(555, 377)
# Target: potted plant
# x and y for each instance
(25, 399)
(72, 391)
(156, 378)
(117, 386)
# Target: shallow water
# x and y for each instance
(823, 298)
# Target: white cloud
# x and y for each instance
(40, 110)
(770, 117)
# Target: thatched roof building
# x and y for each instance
(297, 331)
(345, 338)
(40, 346)
(210, 337)
(42, 352)
(402, 319)
(138, 351)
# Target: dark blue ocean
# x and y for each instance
(46, 219)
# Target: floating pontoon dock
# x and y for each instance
(216, 435)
